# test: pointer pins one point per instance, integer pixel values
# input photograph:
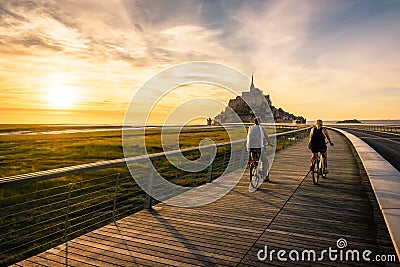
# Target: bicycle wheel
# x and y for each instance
(315, 172)
(321, 169)
(254, 176)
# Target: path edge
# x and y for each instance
(367, 157)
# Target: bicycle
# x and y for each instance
(317, 169)
(256, 171)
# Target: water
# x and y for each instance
(86, 130)
(367, 122)
(64, 131)
(104, 128)
(381, 122)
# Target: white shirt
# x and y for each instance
(255, 137)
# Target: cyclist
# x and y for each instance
(317, 144)
(257, 138)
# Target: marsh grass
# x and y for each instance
(30, 153)
(35, 128)
(40, 207)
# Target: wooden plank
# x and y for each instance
(117, 256)
(187, 255)
(318, 215)
(181, 243)
(174, 235)
(150, 227)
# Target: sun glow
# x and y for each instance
(61, 97)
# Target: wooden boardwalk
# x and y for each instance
(287, 213)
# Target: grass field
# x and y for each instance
(33, 214)
(25, 153)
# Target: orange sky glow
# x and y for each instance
(81, 62)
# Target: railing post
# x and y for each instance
(115, 195)
(242, 155)
(223, 162)
(210, 168)
(176, 171)
(194, 174)
(283, 143)
(209, 173)
(148, 200)
(67, 223)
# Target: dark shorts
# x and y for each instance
(255, 150)
(318, 149)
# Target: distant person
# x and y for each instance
(257, 139)
(317, 144)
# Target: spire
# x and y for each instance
(252, 83)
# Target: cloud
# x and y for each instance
(138, 27)
(109, 48)
(32, 27)
(319, 50)
(158, 15)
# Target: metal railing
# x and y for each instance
(288, 138)
(370, 127)
(54, 210)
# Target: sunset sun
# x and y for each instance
(61, 97)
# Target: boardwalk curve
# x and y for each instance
(287, 213)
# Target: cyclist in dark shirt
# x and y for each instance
(317, 143)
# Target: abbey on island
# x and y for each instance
(256, 98)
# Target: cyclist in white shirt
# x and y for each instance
(257, 139)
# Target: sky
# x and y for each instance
(81, 62)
